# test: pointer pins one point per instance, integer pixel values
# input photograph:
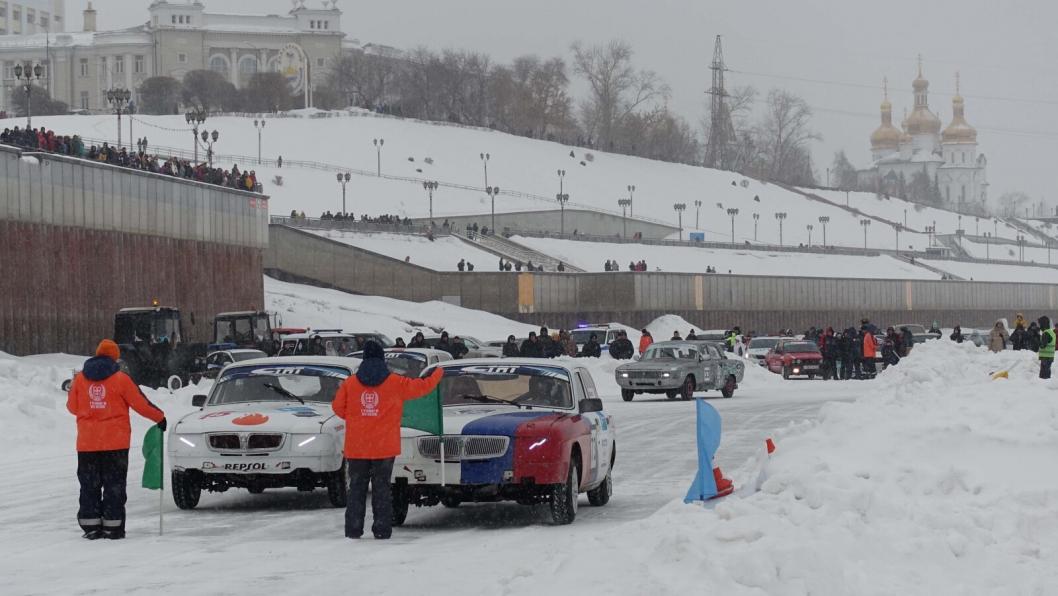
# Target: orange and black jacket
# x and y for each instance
(100, 397)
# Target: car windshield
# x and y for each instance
(581, 336)
(676, 352)
(248, 355)
(406, 364)
(800, 346)
(766, 343)
(147, 326)
(527, 386)
(278, 383)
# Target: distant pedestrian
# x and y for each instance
(997, 338)
(100, 398)
(644, 341)
(279, 161)
(1047, 341)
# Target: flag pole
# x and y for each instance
(161, 487)
(442, 459)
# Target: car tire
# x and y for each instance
(451, 502)
(600, 495)
(811, 376)
(255, 490)
(728, 390)
(66, 385)
(785, 372)
(564, 497)
(687, 390)
(186, 492)
(672, 394)
(338, 487)
(627, 394)
(400, 503)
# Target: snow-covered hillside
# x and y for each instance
(440, 254)
(592, 256)
(452, 154)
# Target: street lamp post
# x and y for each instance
(977, 226)
(378, 155)
(897, 229)
(485, 161)
(631, 191)
(625, 204)
(959, 233)
(905, 218)
(118, 99)
(732, 213)
(562, 199)
(209, 139)
(260, 129)
(492, 191)
(866, 223)
(561, 176)
(430, 186)
(1021, 247)
(697, 212)
(343, 180)
(680, 208)
(988, 245)
(25, 75)
(809, 226)
(824, 219)
(195, 117)
(756, 218)
(780, 216)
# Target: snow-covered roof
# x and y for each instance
(133, 36)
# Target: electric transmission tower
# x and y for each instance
(719, 153)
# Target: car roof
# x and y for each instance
(241, 313)
(238, 351)
(422, 351)
(323, 334)
(513, 362)
(680, 342)
(343, 362)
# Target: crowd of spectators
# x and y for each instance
(40, 139)
(632, 266)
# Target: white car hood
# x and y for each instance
(457, 417)
(282, 416)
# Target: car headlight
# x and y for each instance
(308, 442)
(187, 441)
(666, 375)
(624, 375)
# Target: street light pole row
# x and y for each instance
(680, 208)
(119, 99)
(26, 75)
(195, 117)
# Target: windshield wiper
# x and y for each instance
(488, 398)
(284, 392)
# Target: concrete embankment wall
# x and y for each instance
(592, 223)
(80, 240)
(759, 303)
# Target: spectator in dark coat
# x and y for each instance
(622, 348)
(510, 349)
(418, 341)
(548, 346)
(1018, 337)
(458, 348)
(1032, 337)
(956, 335)
(531, 347)
(591, 349)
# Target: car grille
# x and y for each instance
(459, 448)
(245, 442)
(643, 374)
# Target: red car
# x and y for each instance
(795, 358)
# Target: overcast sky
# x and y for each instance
(832, 53)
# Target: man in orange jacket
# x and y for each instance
(644, 341)
(870, 351)
(100, 397)
(372, 403)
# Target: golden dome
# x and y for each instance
(886, 136)
(922, 121)
(959, 131)
(905, 137)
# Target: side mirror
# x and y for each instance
(590, 404)
(198, 401)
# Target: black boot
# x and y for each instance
(92, 534)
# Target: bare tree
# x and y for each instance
(843, 173)
(616, 88)
(784, 134)
(1011, 202)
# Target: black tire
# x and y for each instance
(785, 372)
(400, 503)
(255, 490)
(338, 487)
(66, 385)
(186, 492)
(564, 497)
(672, 394)
(811, 376)
(627, 394)
(728, 390)
(600, 495)
(451, 502)
(687, 390)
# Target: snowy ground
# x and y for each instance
(930, 480)
(591, 256)
(1002, 273)
(440, 254)
(516, 164)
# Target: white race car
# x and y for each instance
(525, 430)
(267, 423)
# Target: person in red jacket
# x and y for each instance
(870, 350)
(100, 398)
(644, 341)
(372, 403)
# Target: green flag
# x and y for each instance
(152, 453)
(424, 413)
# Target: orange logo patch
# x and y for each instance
(250, 420)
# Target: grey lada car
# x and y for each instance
(679, 368)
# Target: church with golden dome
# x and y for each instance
(922, 162)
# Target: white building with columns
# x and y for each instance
(949, 157)
(178, 37)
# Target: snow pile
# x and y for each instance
(936, 481)
(30, 396)
(441, 254)
(320, 308)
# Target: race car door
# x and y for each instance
(602, 432)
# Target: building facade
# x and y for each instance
(26, 17)
(177, 38)
(949, 157)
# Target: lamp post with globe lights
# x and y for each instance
(119, 100)
(824, 220)
(625, 204)
(756, 218)
(259, 125)
(25, 75)
(430, 186)
(378, 155)
(195, 117)
(631, 191)
(809, 227)
(343, 179)
(492, 191)
(697, 212)
(866, 223)
(208, 139)
(780, 217)
(680, 208)
(732, 213)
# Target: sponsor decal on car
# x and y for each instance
(300, 411)
(255, 466)
(215, 415)
(250, 419)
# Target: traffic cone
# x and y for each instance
(724, 486)
(770, 445)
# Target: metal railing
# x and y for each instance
(316, 223)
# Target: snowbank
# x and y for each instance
(934, 482)
(999, 273)
(441, 254)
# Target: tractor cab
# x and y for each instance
(151, 326)
(154, 350)
(251, 329)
